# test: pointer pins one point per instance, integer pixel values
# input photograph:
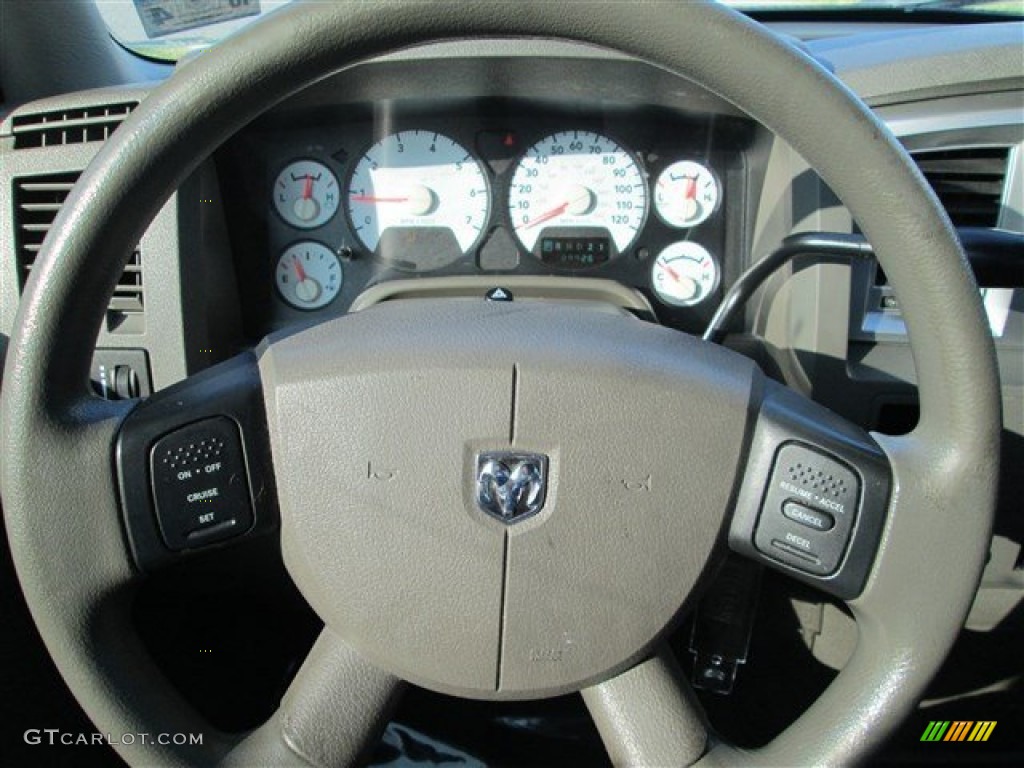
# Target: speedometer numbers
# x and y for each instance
(577, 199)
(418, 200)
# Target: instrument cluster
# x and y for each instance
(643, 199)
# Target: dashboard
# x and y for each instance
(538, 169)
(328, 201)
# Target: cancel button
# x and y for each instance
(812, 518)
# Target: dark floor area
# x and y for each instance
(32, 695)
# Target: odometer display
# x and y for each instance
(574, 252)
(576, 184)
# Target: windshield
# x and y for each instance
(169, 29)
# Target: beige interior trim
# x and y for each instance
(533, 287)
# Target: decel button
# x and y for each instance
(200, 484)
(812, 518)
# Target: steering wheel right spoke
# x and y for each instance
(194, 466)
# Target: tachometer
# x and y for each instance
(577, 199)
(418, 200)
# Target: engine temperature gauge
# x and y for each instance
(684, 274)
(685, 194)
(306, 194)
(308, 275)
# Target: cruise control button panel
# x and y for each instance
(200, 484)
(814, 496)
(809, 510)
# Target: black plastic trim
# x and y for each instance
(995, 256)
(231, 389)
(828, 245)
(787, 417)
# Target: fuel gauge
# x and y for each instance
(306, 194)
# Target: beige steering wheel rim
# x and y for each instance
(944, 476)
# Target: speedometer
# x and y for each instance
(418, 200)
(577, 199)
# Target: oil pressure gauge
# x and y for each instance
(308, 275)
(685, 194)
(306, 194)
(684, 274)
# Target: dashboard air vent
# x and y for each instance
(69, 126)
(37, 199)
(968, 181)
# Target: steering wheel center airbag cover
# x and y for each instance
(379, 421)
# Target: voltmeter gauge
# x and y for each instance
(306, 194)
(684, 274)
(308, 275)
(685, 194)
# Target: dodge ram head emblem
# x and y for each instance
(511, 486)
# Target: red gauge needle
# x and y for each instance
(298, 269)
(372, 199)
(545, 216)
(556, 211)
(690, 190)
(307, 190)
(673, 274)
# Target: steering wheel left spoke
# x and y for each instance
(332, 715)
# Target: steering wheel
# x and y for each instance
(573, 585)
